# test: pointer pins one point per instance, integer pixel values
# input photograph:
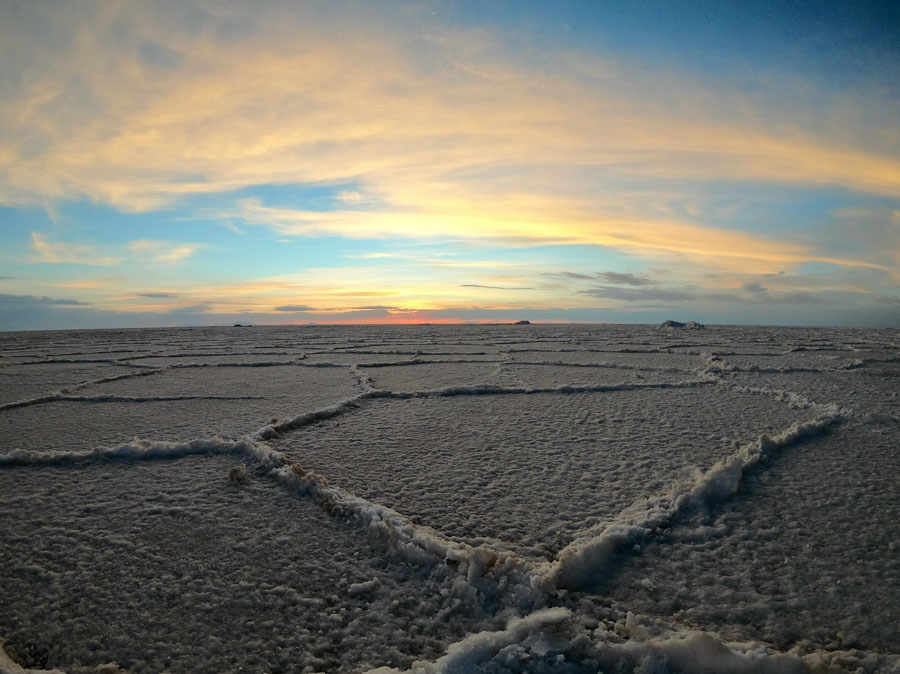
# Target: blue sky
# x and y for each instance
(206, 163)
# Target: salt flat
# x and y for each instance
(450, 498)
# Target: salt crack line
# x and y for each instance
(66, 393)
(605, 364)
(105, 380)
(151, 399)
(588, 350)
(262, 363)
(211, 354)
(580, 562)
(719, 365)
(31, 401)
(490, 389)
(123, 362)
(718, 368)
(307, 418)
(70, 361)
(135, 450)
(431, 361)
(59, 397)
(348, 404)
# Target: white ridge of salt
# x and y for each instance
(416, 543)
(32, 401)
(718, 367)
(135, 450)
(475, 649)
(794, 400)
(552, 640)
(582, 560)
(362, 378)
(307, 418)
(147, 370)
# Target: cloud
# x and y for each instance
(569, 275)
(194, 309)
(544, 221)
(32, 300)
(701, 295)
(350, 196)
(157, 295)
(624, 279)
(55, 252)
(656, 294)
(476, 285)
(165, 252)
(446, 131)
(294, 307)
(754, 287)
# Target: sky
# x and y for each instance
(209, 162)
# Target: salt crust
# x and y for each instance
(550, 638)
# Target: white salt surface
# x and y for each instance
(423, 375)
(68, 425)
(806, 555)
(634, 359)
(519, 499)
(291, 386)
(545, 375)
(530, 470)
(21, 382)
(163, 565)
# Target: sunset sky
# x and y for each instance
(209, 162)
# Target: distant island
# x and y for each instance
(522, 323)
(690, 325)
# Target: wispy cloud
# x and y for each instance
(753, 295)
(566, 275)
(157, 295)
(165, 252)
(294, 307)
(477, 285)
(57, 252)
(32, 300)
(625, 279)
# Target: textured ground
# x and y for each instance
(450, 499)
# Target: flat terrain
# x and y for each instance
(450, 499)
